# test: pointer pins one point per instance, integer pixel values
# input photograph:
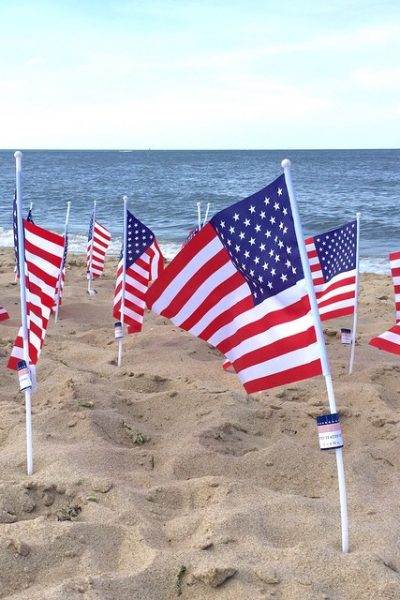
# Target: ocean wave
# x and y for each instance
(77, 245)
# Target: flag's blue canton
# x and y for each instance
(138, 239)
(258, 233)
(337, 250)
(15, 231)
(90, 234)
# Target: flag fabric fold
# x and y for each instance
(43, 256)
(332, 258)
(239, 285)
(388, 341)
(3, 314)
(394, 259)
(143, 263)
(98, 241)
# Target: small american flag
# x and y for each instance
(43, 256)
(15, 231)
(61, 280)
(394, 259)
(190, 235)
(389, 340)
(239, 285)
(15, 234)
(30, 216)
(3, 314)
(332, 256)
(143, 263)
(98, 241)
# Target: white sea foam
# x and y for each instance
(376, 264)
(77, 244)
(6, 238)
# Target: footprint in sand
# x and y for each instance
(230, 438)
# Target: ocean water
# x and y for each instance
(163, 188)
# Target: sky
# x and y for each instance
(206, 74)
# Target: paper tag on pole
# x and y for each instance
(346, 336)
(24, 376)
(89, 275)
(118, 331)
(329, 432)
(32, 369)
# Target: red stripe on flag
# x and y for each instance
(304, 371)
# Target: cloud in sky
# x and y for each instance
(189, 74)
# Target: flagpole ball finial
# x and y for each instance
(18, 160)
(285, 164)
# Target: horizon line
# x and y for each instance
(29, 149)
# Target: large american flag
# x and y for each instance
(144, 263)
(394, 259)
(3, 314)
(98, 241)
(239, 285)
(389, 340)
(332, 256)
(43, 255)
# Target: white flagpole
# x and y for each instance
(124, 243)
(24, 317)
(206, 215)
(89, 273)
(354, 332)
(199, 215)
(62, 264)
(321, 342)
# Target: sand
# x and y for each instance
(164, 479)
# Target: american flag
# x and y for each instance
(30, 216)
(15, 231)
(394, 259)
(144, 262)
(332, 257)
(61, 279)
(389, 341)
(43, 255)
(15, 234)
(191, 234)
(3, 314)
(98, 241)
(239, 285)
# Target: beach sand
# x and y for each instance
(164, 479)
